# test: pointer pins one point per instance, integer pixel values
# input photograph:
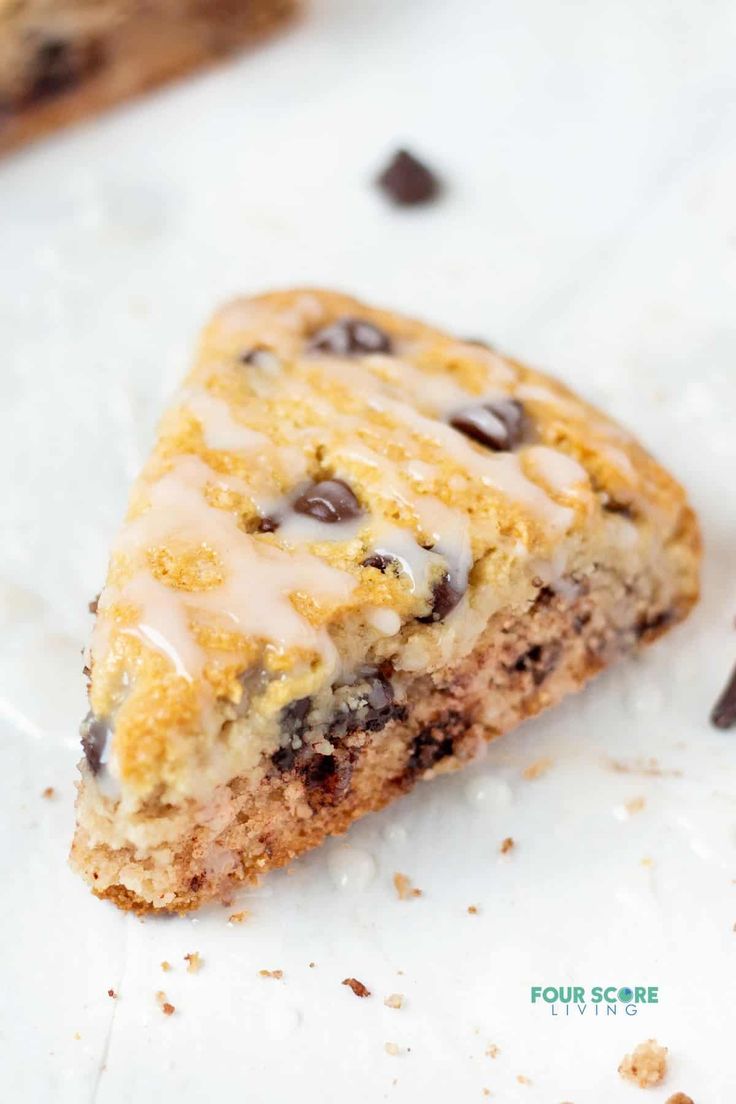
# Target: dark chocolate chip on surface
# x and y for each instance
(350, 337)
(95, 733)
(330, 500)
(267, 525)
(445, 596)
(408, 182)
(723, 714)
(498, 425)
(380, 560)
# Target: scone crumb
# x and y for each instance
(112, 994)
(394, 1000)
(358, 987)
(194, 962)
(522, 1079)
(48, 793)
(492, 1051)
(272, 973)
(537, 768)
(679, 1098)
(635, 805)
(472, 910)
(646, 1066)
(238, 917)
(646, 861)
(393, 1049)
(506, 845)
(404, 889)
(486, 1092)
(167, 1008)
(165, 966)
(312, 965)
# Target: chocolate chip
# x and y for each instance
(267, 525)
(407, 182)
(445, 596)
(426, 750)
(380, 560)
(497, 425)
(95, 733)
(327, 778)
(60, 63)
(330, 500)
(723, 714)
(350, 337)
(540, 661)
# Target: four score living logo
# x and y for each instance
(600, 1000)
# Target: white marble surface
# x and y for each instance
(590, 226)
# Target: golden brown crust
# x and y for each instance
(129, 49)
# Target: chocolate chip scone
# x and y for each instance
(360, 549)
(63, 59)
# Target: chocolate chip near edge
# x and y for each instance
(330, 500)
(497, 425)
(723, 714)
(445, 597)
(95, 734)
(407, 182)
(350, 337)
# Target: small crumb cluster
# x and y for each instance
(166, 1007)
(646, 1066)
(404, 888)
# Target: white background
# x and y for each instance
(590, 226)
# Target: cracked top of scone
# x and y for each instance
(336, 487)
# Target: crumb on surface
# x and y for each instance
(394, 1000)
(506, 845)
(492, 1051)
(48, 793)
(537, 768)
(358, 987)
(238, 917)
(679, 1098)
(77, 1036)
(650, 768)
(194, 962)
(646, 1065)
(272, 973)
(312, 965)
(404, 889)
(646, 861)
(167, 1008)
(165, 966)
(635, 805)
(111, 993)
(393, 1049)
(522, 1079)
(473, 910)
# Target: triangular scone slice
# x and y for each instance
(360, 549)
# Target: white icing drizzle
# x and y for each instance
(560, 472)
(219, 428)
(254, 596)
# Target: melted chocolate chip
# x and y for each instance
(723, 714)
(95, 733)
(497, 425)
(330, 500)
(380, 560)
(350, 337)
(540, 661)
(407, 182)
(267, 525)
(445, 596)
(327, 778)
(294, 715)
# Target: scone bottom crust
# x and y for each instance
(360, 549)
